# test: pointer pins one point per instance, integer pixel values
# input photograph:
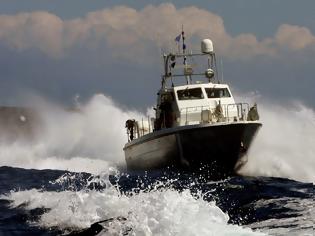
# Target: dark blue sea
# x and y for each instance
(54, 202)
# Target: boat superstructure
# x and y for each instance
(197, 122)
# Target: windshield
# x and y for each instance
(190, 94)
(217, 93)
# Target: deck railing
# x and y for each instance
(206, 114)
(195, 115)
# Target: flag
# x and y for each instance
(177, 39)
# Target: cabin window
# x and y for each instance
(190, 94)
(218, 93)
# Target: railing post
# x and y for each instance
(138, 132)
(142, 126)
(228, 114)
(186, 116)
(201, 114)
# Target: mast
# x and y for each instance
(187, 76)
(170, 60)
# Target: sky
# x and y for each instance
(63, 49)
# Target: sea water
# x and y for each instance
(74, 176)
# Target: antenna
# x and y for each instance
(163, 59)
(188, 78)
(184, 45)
(221, 63)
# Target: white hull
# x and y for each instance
(220, 146)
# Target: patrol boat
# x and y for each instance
(197, 125)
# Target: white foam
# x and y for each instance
(159, 212)
(79, 141)
(94, 137)
(284, 147)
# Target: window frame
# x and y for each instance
(180, 96)
(226, 93)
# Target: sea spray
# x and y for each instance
(84, 139)
(160, 211)
(91, 139)
(284, 147)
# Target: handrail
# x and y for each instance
(241, 113)
(240, 110)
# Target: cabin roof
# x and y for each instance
(204, 85)
(196, 85)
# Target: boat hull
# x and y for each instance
(217, 149)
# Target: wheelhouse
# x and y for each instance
(195, 104)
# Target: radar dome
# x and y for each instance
(206, 46)
(209, 73)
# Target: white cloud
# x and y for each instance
(40, 30)
(294, 37)
(127, 31)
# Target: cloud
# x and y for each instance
(294, 37)
(128, 32)
(40, 30)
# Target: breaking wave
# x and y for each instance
(86, 139)
(162, 211)
(284, 147)
(92, 139)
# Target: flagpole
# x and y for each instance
(183, 36)
(184, 45)
(188, 78)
